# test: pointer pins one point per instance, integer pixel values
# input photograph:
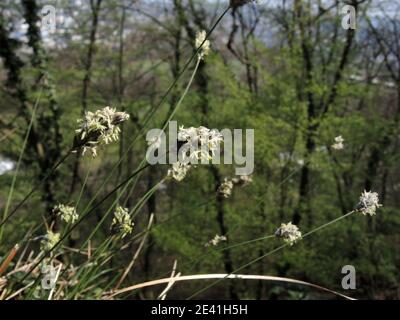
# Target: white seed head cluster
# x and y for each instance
(98, 128)
(66, 213)
(178, 170)
(289, 232)
(205, 49)
(122, 223)
(216, 240)
(369, 202)
(49, 241)
(201, 143)
(338, 145)
(226, 187)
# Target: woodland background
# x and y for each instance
(286, 69)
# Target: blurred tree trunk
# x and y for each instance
(121, 86)
(388, 46)
(48, 120)
(44, 140)
(200, 17)
(223, 229)
(95, 6)
(247, 29)
(316, 108)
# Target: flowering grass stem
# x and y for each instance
(74, 226)
(268, 254)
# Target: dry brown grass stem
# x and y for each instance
(225, 276)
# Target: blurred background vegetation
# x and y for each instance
(285, 68)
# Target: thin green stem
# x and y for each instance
(74, 226)
(10, 194)
(22, 202)
(84, 183)
(268, 254)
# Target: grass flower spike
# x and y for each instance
(98, 128)
(205, 49)
(200, 143)
(369, 202)
(178, 171)
(226, 187)
(338, 145)
(49, 241)
(289, 232)
(122, 223)
(216, 240)
(66, 213)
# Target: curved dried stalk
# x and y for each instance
(226, 276)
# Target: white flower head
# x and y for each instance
(205, 48)
(66, 213)
(178, 170)
(200, 144)
(216, 240)
(369, 202)
(197, 145)
(338, 145)
(98, 128)
(49, 241)
(289, 232)
(226, 187)
(122, 223)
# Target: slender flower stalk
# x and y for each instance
(86, 213)
(141, 167)
(146, 121)
(161, 102)
(368, 204)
